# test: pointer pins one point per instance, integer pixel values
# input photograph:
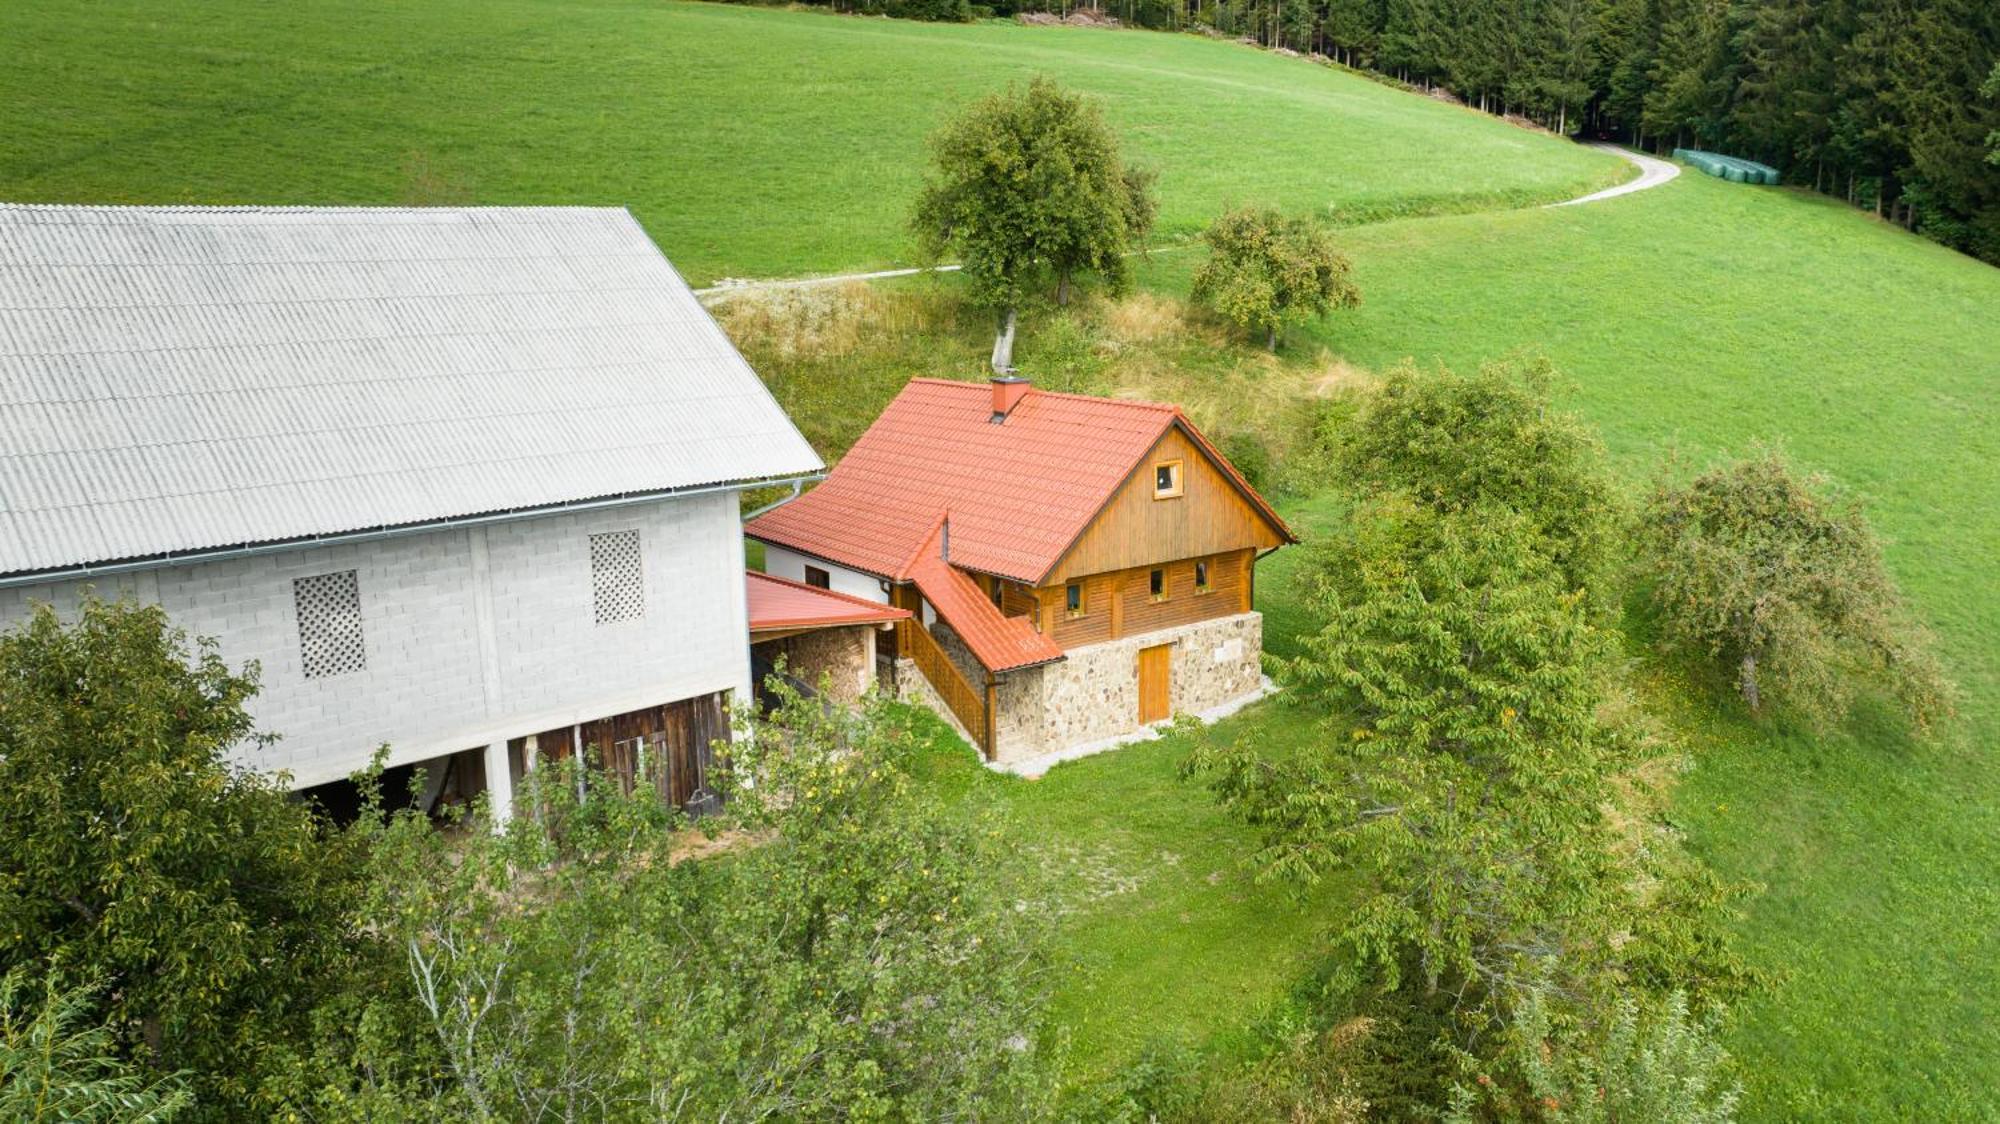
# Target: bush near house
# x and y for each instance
(849, 958)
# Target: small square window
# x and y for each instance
(1073, 598)
(1166, 480)
(1157, 580)
(1201, 577)
(818, 578)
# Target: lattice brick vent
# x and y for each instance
(329, 608)
(617, 583)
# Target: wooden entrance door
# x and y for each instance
(1155, 681)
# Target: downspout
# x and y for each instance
(992, 718)
(798, 485)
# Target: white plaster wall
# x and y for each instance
(783, 563)
(472, 635)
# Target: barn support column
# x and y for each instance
(500, 782)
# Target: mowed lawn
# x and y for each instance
(1704, 317)
(750, 142)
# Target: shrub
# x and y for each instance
(1494, 438)
(1650, 1061)
(214, 908)
(1250, 455)
(1264, 270)
(56, 1064)
(1780, 580)
(850, 957)
(1462, 768)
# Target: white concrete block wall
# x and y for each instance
(783, 563)
(462, 652)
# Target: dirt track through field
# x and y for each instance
(1653, 172)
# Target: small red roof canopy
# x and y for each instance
(777, 603)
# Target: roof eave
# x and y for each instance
(86, 571)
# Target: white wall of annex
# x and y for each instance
(783, 563)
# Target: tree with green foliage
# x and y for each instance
(1464, 771)
(1264, 269)
(1992, 91)
(58, 1065)
(1780, 579)
(850, 957)
(1494, 437)
(1027, 186)
(1646, 1059)
(214, 908)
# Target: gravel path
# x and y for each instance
(1652, 173)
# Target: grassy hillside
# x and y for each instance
(1702, 317)
(751, 142)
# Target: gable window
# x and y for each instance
(617, 582)
(818, 578)
(1201, 577)
(1073, 599)
(1157, 582)
(329, 612)
(1166, 480)
(999, 594)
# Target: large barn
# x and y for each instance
(463, 481)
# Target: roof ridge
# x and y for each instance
(1044, 392)
(315, 208)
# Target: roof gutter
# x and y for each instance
(798, 484)
(193, 557)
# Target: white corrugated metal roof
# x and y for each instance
(186, 378)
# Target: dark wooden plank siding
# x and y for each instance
(1136, 611)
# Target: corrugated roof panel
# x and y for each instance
(278, 373)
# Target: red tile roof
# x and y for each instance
(998, 642)
(1017, 494)
(778, 603)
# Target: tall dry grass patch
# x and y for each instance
(807, 322)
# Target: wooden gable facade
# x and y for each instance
(1153, 557)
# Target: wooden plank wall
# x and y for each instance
(1121, 604)
(679, 738)
(1135, 530)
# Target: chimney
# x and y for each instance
(1008, 390)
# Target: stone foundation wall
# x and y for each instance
(912, 687)
(1093, 694)
(844, 656)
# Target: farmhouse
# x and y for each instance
(1076, 568)
(461, 481)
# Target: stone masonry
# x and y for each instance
(1093, 693)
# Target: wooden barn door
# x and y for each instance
(1155, 682)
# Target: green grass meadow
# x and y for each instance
(1693, 320)
(1696, 320)
(750, 142)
